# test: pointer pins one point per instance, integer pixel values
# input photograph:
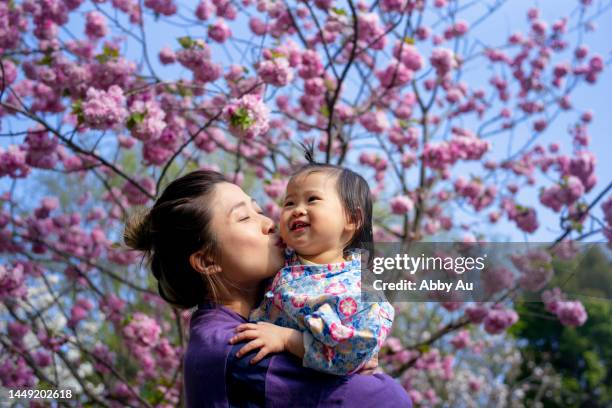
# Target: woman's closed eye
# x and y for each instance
(247, 217)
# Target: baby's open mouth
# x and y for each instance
(298, 225)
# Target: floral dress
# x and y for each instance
(343, 327)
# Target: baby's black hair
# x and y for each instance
(355, 197)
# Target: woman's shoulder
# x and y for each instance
(211, 327)
(206, 356)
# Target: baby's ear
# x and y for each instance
(358, 221)
(203, 263)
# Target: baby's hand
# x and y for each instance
(267, 337)
(370, 366)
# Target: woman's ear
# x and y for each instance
(202, 263)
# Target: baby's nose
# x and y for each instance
(299, 210)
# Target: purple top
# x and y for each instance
(214, 377)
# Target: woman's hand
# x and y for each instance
(369, 367)
(269, 338)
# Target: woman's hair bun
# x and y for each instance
(137, 233)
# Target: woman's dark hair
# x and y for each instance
(175, 227)
(355, 197)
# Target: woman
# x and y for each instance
(210, 246)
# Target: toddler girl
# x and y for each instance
(314, 307)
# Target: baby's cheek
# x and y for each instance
(283, 233)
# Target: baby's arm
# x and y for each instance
(272, 338)
(269, 338)
(343, 333)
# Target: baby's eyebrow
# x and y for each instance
(313, 191)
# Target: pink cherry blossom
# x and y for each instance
(13, 162)
(12, 282)
(497, 278)
(498, 320)
(443, 60)
(104, 109)
(163, 7)
(535, 268)
(276, 71)
(476, 313)
(461, 339)
(247, 117)
(571, 313)
(408, 55)
(401, 205)
(219, 31)
(95, 26)
(374, 121)
(134, 194)
(146, 121)
(167, 56)
(142, 330)
(311, 65)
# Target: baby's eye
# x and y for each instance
(313, 198)
(288, 203)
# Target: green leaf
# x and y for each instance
(277, 54)
(324, 111)
(108, 54)
(424, 348)
(183, 90)
(577, 226)
(241, 119)
(77, 109)
(111, 52)
(46, 60)
(339, 11)
(186, 42)
(135, 118)
(521, 208)
(329, 84)
(409, 40)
